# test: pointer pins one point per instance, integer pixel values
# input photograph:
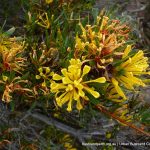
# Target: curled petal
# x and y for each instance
(64, 71)
(37, 77)
(40, 69)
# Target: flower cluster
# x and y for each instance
(11, 53)
(44, 73)
(12, 86)
(73, 67)
(72, 85)
(127, 73)
(123, 113)
(43, 20)
(101, 48)
(71, 60)
(101, 39)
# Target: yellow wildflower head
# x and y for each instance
(71, 85)
(12, 55)
(44, 73)
(128, 72)
(100, 39)
(67, 142)
(43, 20)
(112, 94)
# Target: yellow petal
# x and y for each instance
(57, 77)
(66, 80)
(41, 74)
(79, 106)
(127, 63)
(81, 93)
(58, 99)
(69, 88)
(47, 69)
(118, 89)
(51, 74)
(135, 80)
(66, 98)
(127, 51)
(74, 72)
(78, 74)
(99, 80)
(78, 85)
(75, 95)
(44, 84)
(37, 77)
(91, 91)
(64, 71)
(86, 70)
(57, 86)
(5, 78)
(126, 82)
(40, 69)
(49, 1)
(75, 62)
(79, 44)
(83, 30)
(69, 108)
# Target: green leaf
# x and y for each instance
(25, 76)
(33, 105)
(12, 106)
(145, 117)
(10, 31)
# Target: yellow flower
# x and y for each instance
(43, 21)
(101, 39)
(112, 94)
(12, 86)
(42, 55)
(48, 1)
(118, 89)
(5, 78)
(127, 73)
(108, 135)
(124, 114)
(71, 85)
(11, 52)
(67, 142)
(44, 73)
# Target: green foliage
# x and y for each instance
(71, 56)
